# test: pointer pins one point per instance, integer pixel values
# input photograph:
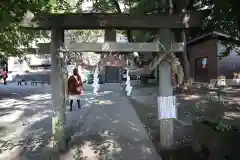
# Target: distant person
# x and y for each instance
(4, 76)
(18, 79)
(1, 75)
(75, 87)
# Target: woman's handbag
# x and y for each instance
(79, 89)
(81, 92)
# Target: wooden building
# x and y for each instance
(203, 54)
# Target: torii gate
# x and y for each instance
(57, 23)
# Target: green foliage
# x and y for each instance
(13, 38)
(66, 6)
(85, 35)
(78, 154)
(220, 126)
(224, 17)
(104, 6)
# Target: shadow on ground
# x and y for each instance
(25, 122)
(200, 104)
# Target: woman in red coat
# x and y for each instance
(75, 87)
(4, 76)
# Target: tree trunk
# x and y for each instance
(58, 92)
(186, 64)
(165, 89)
(128, 32)
(157, 74)
(181, 35)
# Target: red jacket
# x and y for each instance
(75, 85)
(4, 74)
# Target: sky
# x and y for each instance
(87, 5)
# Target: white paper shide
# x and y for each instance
(128, 88)
(167, 107)
(95, 84)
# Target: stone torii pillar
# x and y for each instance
(166, 98)
(58, 90)
(109, 36)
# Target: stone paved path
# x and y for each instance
(113, 129)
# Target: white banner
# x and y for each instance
(167, 107)
(95, 84)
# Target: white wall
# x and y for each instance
(39, 59)
(230, 64)
(17, 65)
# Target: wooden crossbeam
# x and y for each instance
(121, 47)
(113, 21)
(114, 47)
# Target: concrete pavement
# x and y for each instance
(113, 130)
